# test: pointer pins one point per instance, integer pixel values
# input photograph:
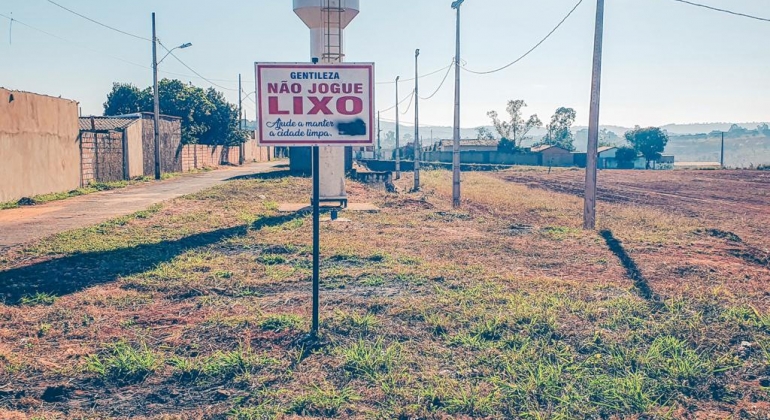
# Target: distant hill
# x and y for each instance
(688, 142)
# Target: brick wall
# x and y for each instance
(87, 157)
(102, 156)
(170, 144)
(198, 156)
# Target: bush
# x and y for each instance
(626, 157)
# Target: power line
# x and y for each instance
(440, 85)
(533, 48)
(723, 10)
(411, 101)
(409, 80)
(72, 42)
(98, 23)
(401, 102)
(193, 70)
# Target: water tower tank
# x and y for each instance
(312, 11)
(327, 20)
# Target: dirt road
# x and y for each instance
(738, 201)
(25, 224)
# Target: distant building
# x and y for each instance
(123, 146)
(553, 156)
(466, 145)
(697, 165)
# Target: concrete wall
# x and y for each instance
(199, 156)
(170, 144)
(38, 144)
(484, 158)
(134, 149)
(254, 153)
(556, 157)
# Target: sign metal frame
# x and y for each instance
(334, 141)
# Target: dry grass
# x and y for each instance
(503, 309)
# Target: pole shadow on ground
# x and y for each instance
(632, 270)
(73, 273)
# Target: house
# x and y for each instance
(466, 145)
(553, 156)
(123, 147)
(110, 149)
(607, 157)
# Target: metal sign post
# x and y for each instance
(316, 238)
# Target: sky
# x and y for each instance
(664, 61)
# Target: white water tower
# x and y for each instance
(327, 20)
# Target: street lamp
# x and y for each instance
(456, 144)
(156, 99)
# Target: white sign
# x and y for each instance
(315, 104)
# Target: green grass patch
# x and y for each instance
(124, 363)
(279, 323)
(326, 401)
(39, 298)
(370, 360)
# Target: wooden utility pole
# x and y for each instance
(156, 98)
(456, 136)
(379, 145)
(417, 143)
(589, 211)
(722, 155)
(398, 136)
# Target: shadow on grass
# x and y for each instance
(73, 273)
(263, 175)
(632, 270)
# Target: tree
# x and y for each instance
(407, 152)
(507, 146)
(390, 139)
(560, 129)
(517, 128)
(124, 98)
(207, 117)
(650, 142)
(608, 138)
(626, 156)
(483, 133)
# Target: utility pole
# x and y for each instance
(722, 158)
(156, 97)
(398, 135)
(417, 142)
(379, 131)
(456, 145)
(241, 152)
(240, 103)
(589, 210)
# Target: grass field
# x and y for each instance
(198, 308)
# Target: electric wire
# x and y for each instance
(440, 85)
(532, 49)
(401, 102)
(73, 43)
(411, 101)
(98, 23)
(409, 80)
(170, 52)
(716, 9)
(107, 54)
